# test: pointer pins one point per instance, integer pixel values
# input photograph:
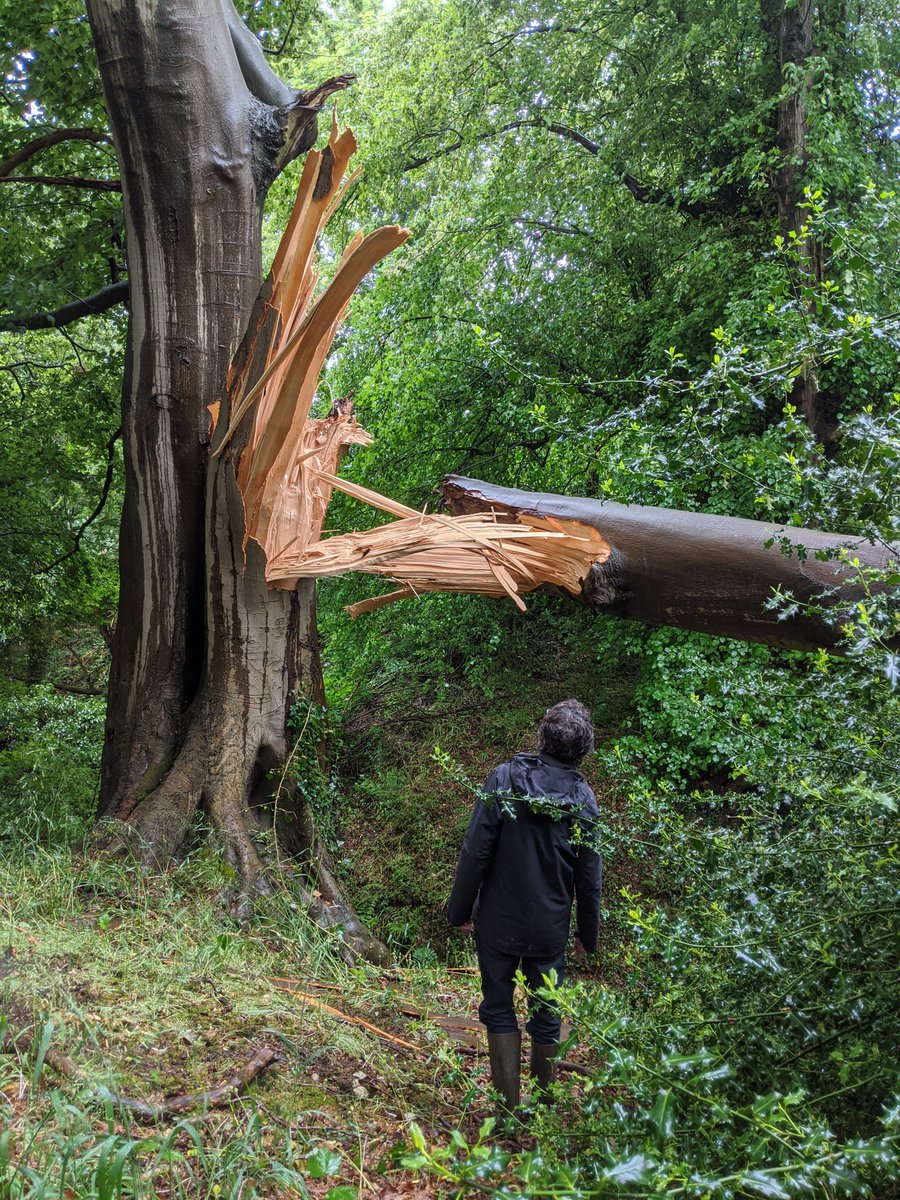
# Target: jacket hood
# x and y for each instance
(541, 775)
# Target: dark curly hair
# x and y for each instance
(566, 732)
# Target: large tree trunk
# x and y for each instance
(206, 657)
(694, 570)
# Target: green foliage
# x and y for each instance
(553, 325)
(60, 483)
(751, 1053)
(49, 764)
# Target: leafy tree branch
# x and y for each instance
(74, 181)
(87, 306)
(30, 149)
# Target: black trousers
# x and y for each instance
(496, 1012)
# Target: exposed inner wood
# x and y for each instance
(430, 552)
(287, 461)
(283, 448)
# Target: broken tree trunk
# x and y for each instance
(207, 659)
(696, 571)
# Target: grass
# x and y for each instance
(147, 986)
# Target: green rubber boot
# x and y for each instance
(543, 1069)
(505, 1051)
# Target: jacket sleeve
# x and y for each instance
(477, 852)
(588, 887)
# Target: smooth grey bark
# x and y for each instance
(206, 658)
(696, 571)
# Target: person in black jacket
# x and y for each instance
(527, 854)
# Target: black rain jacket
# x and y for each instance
(519, 871)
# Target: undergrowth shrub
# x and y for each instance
(751, 1053)
(712, 714)
(50, 748)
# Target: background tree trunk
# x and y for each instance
(790, 26)
(206, 658)
(695, 570)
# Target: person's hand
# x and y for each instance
(467, 928)
(578, 949)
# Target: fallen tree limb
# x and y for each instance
(175, 1106)
(214, 1098)
(699, 571)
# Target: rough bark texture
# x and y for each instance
(693, 570)
(206, 658)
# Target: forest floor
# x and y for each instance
(150, 992)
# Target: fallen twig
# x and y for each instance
(328, 987)
(336, 1012)
(262, 1059)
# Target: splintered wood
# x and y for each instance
(275, 382)
(480, 553)
(287, 463)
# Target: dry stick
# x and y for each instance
(564, 1064)
(328, 987)
(336, 1012)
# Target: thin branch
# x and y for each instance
(287, 37)
(501, 43)
(262, 1059)
(75, 181)
(567, 230)
(644, 195)
(224, 1094)
(50, 139)
(98, 508)
(31, 364)
(87, 306)
(563, 131)
(658, 195)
